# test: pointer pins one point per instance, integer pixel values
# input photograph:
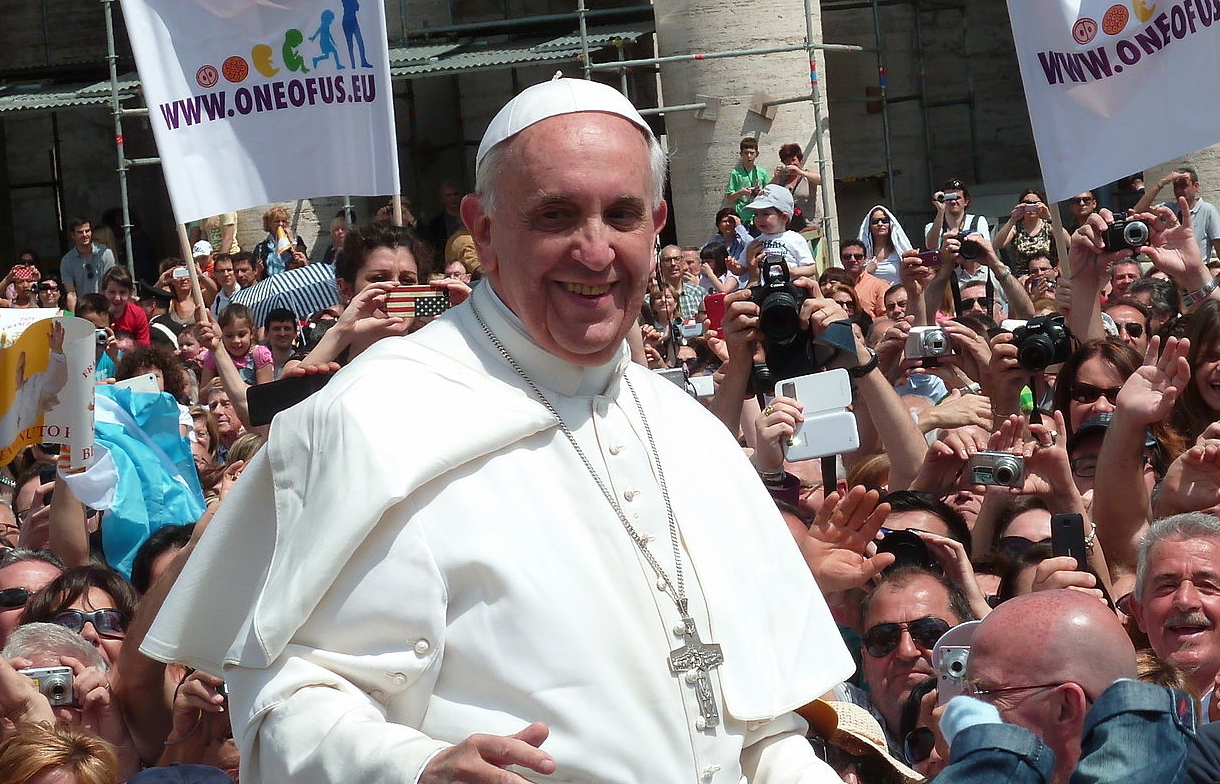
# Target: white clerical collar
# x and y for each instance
(545, 369)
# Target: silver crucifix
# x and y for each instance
(698, 658)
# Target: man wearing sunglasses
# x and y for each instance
(902, 619)
(1131, 318)
(869, 288)
(22, 572)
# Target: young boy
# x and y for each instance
(95, 309)
(117, 287)
(772, 210)
(746, 180)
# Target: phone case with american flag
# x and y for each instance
(412, 301)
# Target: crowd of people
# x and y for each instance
(1007, 386)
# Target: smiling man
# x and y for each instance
(1177, 594)
(545, 592)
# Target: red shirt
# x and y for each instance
(134, 321)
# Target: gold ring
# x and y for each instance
(769, 410)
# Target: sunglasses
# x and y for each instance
(852, 256)
(982, 302)
(108, 621)
(14, 597)
(1132, 328)
(875, 221)
(1081, 200)
(881, 640)
(918, 744)
(1087, 393)
(671, 258)
(89, 271)
(1015, 545)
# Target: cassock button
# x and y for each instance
(398, 677)
(710, 771)
(701, 724)
(679, 629)
(661, 585)
(422, 647)
(615, 449)
(630, 494)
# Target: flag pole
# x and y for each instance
(189, 258)
(396, 201)
(1060, 246)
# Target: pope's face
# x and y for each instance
(570, 244)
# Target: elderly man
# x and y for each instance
(549, 588)
(1057, 668)
(673, 271)
(1177, 594)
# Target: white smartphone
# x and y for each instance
(144, 383)
(829, 428)
(703, 385)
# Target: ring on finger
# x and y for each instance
(769, 410)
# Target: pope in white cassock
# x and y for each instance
(545, 580)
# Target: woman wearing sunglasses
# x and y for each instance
(94, 601)
(884, 243)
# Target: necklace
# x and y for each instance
(695, 658)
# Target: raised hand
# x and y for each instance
(1149, 393)
(836, 547)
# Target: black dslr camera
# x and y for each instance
(779, 317)
(1042, 341)
(1125, 234)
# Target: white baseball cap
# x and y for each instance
(776, 196)
(553, 98)
(202, 248)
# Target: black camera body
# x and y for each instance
(788, 346)
(1042, 341)
(1125, 234)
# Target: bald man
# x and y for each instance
(1057, 665)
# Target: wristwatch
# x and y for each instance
(1192, 298)
(860, 371)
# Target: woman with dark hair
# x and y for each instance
(1029, 231)
(884, 243)
(1199, 404)
(376, 258)
(716, 275)
(93, 600)
(734, 243)
(51, 294)
(845, 295)
(1089, 381)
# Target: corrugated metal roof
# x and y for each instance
(28, 98)
(405, 62)
(479, 57)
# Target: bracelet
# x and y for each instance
(1007, 274)
(773, 478)
(1192, 298)
(1091, 538)
(860, 371)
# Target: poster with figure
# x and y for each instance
(46, 384)
(1116, 87)
(253, 102)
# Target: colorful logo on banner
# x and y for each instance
(321, 54)
(1129, 35)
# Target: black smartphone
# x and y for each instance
(1067, 538)
(267, 400)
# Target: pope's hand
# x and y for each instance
(482, 759)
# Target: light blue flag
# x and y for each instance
(144, 477)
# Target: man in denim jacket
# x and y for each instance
(1055, 701)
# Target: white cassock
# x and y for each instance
(443, 564)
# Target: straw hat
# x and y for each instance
(859, 733)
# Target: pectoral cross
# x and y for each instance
(697, 659)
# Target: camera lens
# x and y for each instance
(1006, 470)
(1036, 353)
(779, 318)
(1135, 234)
(970, 249)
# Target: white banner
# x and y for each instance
(46, 384)
(253, 102)
(1116, 88)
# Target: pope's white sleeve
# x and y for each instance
(776, 752)
(303, 722)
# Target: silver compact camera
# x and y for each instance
(928, 343)
(54, 683)
(1001, 469)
